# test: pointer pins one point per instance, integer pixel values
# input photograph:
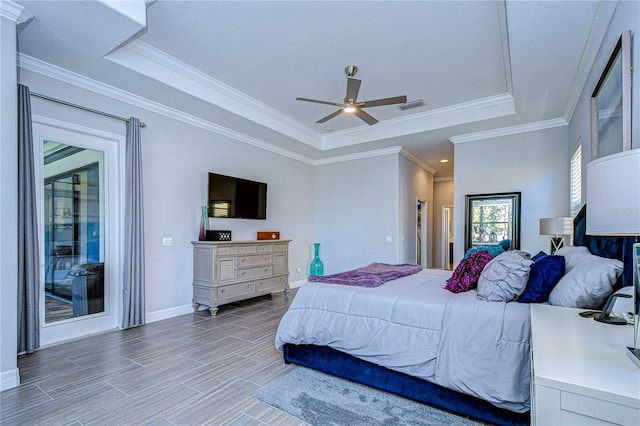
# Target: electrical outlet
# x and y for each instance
(167, 241)
(388, 239)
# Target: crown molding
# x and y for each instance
(69, 77)
(418, 162)
(145, 59)
(443, 179)
(597, 33)
(359, 155)
(14, 12)
(466, 112)
(506, 131)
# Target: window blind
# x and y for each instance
(575, 196)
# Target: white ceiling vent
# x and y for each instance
(413, 104)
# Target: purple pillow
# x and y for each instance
(466, 275)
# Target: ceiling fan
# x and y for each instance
(351, 104)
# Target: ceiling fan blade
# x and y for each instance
(353, 87)
(365, 117)
(318, 101)
(385, 101)
(330, 116)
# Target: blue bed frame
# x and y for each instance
(328, 360)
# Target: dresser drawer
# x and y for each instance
(282, 248)
(234, 290)
(246, 249)
(248, 261)
(226, 250)
(275, 283)
(263, 249)
(250, 273)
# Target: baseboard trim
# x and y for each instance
(168, 313)
(9, 379)
(297, 284)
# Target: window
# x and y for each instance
(575, 196)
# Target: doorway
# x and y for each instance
(79, 218)
(421, 233)
(447, 237)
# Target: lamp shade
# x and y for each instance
(556, 226)
(613, 194)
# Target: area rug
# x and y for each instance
(321, 399)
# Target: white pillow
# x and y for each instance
(504, 278)
(571, 255)
(589, 282)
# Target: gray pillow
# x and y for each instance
(504, 278)
(589, 282)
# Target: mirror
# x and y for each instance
(491, 218)
(611, 103)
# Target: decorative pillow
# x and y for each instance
(465, 277)
(589, 282)
(569, 253)
(493, 250)
(504, 278)
(545, 273)
(505, 244)
(539, 256)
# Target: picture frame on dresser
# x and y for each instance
(611, 103)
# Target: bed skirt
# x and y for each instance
(340, 364)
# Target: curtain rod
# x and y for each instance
(106, 114)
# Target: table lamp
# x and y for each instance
(613, 208)
(558, 227)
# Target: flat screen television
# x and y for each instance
(231, 197)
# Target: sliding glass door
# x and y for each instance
(80, 217)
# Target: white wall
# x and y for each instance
(442, 196)
(415, 184)
(176, 160)
(356, 207)
(8, 205)
(626, 17)
(535, 164)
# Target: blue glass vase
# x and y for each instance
(316, 267)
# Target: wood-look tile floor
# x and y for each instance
(193, 369)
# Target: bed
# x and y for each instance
(412, 337)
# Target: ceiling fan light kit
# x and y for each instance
(351, 104)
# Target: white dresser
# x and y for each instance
(581, 374)
(229, 271)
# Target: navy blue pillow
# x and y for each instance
(539, 256)
(545, 273)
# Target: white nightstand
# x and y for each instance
(581, 374)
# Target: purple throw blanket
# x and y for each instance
(373, 275)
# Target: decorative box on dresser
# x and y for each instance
(581, 374)
(229, 271)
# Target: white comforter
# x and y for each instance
(415, 326)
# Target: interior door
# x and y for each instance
(79, 218)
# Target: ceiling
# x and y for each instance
(482, 68)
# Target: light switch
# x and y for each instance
(388, 239)
(167, 241)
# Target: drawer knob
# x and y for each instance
(244, 260)
(266, 270)
(248, 285)
(244, 273)
(266, 258)
(260, 283)
(222, 291)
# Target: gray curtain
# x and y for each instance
(133, 277)
(28, 248)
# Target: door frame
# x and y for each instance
(113, 147)
(447, 212)
(424, 227)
